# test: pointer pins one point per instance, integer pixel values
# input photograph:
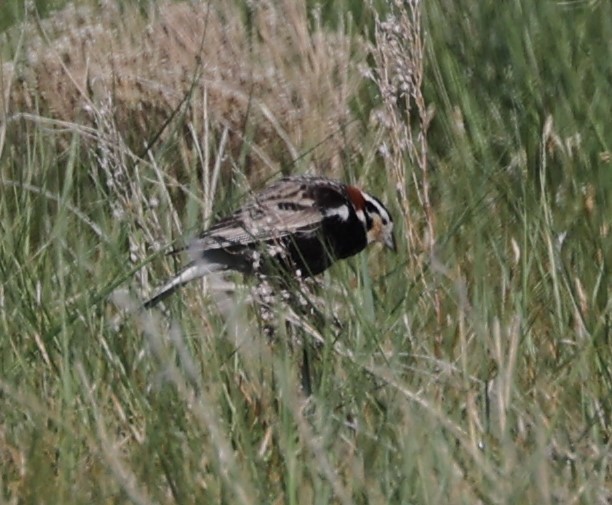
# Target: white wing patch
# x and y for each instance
(341, 212)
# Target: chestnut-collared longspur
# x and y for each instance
(298, 225)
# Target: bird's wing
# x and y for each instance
(291, 205)
(269, 218)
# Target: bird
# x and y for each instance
(297, 226)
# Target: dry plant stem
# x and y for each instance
(398, 73)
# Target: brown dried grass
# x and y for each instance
(278, 89)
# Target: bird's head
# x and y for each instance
(379, 223)
(375, 217)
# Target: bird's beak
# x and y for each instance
(390, 242)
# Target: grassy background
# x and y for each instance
(472, 367)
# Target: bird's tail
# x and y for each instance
(194, 270)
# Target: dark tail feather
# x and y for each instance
(162, 295)
(189, 273)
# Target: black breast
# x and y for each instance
(312, 253)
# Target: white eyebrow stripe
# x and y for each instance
(379, 207)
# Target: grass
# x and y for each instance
(471, 367)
